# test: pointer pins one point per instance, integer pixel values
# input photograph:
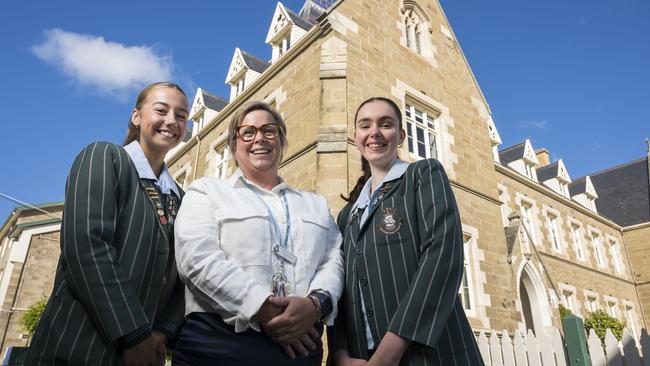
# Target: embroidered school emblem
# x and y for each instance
(389, 223)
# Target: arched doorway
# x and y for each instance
(534, 306)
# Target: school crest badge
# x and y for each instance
(389, 223)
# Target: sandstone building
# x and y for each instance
(534, 236)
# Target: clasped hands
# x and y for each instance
(289, 321)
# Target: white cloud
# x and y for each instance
(532, 124)
(107, 67)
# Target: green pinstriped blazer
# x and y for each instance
(116, 272)
(406, 262)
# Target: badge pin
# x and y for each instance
(389, 223)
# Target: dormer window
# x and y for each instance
(286, 28)
(244, 70)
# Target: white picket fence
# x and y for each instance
(548, 350)
(522, 350)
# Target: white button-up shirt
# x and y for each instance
(224, 241)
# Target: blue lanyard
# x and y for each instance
(276, 227)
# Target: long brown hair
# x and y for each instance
(133, 131)
(365, 166)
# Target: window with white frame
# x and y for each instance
(554, 231)
(612, 308)
(221, 162)
(576, 238)
(630, 320)
(598, 249)
(527, 216)
(422, 132)
(564, 188)
(592, 303)
(283, 44)
(568, 299)
(465, 290)
(615, 252)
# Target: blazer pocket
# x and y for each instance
(245, 236)
(312, 241)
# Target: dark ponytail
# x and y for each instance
(356, 191)
(365, 166)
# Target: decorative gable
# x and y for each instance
(529, 153)
(494, 134)
(281, 24)
(590, 191)
(237, 67)
(198, 105)
(562, 173)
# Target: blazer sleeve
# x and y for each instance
(173, 314)
(426, 307)
(89, 254)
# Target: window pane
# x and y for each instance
(422, 151)
(433, 149)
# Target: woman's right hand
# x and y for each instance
(267, 311)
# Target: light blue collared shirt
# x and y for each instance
(165, 182)
(365, 199)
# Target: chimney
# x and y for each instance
(543, 156)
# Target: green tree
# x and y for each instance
(32, 316)
(599, 321)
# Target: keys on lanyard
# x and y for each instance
(278, 282)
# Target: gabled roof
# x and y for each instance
(254, 62)
(582, 185)
(312, 9)
(512, 153)
(624, 192)
(523, 150)
(299, 21)
(241, 60)
(553, 170)
(547, 172)
(213, 102)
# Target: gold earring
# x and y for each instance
(400, 145)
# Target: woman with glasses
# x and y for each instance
(261, 260)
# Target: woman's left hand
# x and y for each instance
(298, 317)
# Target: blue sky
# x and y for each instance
(571, 75)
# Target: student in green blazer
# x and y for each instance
(117, 297)
(403, 252)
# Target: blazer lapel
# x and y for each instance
(146, 184)
(385, 191)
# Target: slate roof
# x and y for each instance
(624, 192)
(298, 20)
(512, 153)
(213, 102)
(548, 171)
(254, 62)
(579, 186)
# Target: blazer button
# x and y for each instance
(363, 281)
(369, 313)
(359, 251)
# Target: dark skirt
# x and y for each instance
(204, 339)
